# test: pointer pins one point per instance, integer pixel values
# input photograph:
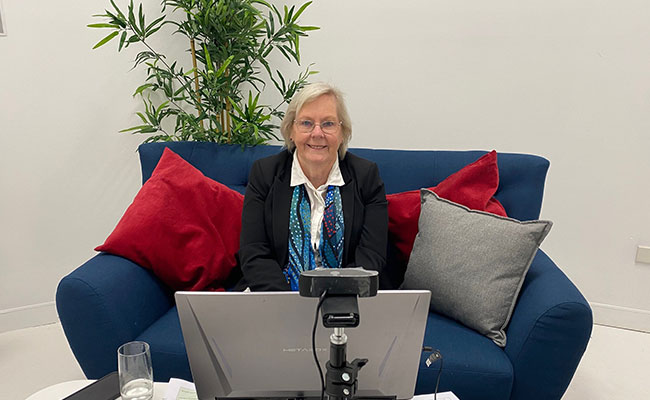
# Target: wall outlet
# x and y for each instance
(643, 254)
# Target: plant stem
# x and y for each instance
(222, 119)
(228, 106)
(196, 80)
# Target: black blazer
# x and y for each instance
(264, 236)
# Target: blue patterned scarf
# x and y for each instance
(330, 251)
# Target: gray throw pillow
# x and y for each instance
(473, 262)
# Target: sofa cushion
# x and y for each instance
(473, 366)
(168, 353)
(473, 186)
(181, 225)
(473, 262)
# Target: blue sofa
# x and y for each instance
(110, 300)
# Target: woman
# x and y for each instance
(313, 204)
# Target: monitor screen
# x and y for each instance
(258, 345)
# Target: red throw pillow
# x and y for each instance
(473, 186)
(181, 225)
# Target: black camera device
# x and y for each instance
(339, 281)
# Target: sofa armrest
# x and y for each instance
(548, 332)
(104, 303)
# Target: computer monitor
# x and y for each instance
(258, 345)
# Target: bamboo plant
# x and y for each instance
(229, 42)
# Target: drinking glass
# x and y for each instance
(135, 372)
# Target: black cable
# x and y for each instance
(313, 345)
(435, 397)
(435, 356)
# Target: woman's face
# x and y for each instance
(317, 149)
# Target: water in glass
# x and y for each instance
(138, 389)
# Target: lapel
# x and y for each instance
(281, 203)
(347, 198)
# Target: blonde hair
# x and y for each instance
(308, 94)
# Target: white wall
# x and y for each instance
(66, 175)
(568, 80)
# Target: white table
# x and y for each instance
(61, 390)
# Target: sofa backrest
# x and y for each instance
(521, 176)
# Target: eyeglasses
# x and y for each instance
(307, 125)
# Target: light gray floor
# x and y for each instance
(615, 366)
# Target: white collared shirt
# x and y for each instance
(316, 195)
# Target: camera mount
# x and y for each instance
(340, 310)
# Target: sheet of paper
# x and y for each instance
(441, 396)
(179, 389)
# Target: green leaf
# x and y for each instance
(157, 138)
(150, 129)
(272, 23)
(141, 18)
(103, 25)
(208, 60)
(122, 38)
(106, 39)
(153, 24)
(235, 106)
(284, 83)
(132, 21)
(131, 15)
(290, 51)
(182, 89)
(135, 128)
(267, 51)
(296, 45)
(282, 50)
(144, 56)
(290, 15)
(300, 10)
(277, 12)
(119, 12)
(141, 88)
(261, 2)
(160, 107)
(152, 31)
(224, 66)
(117, 19)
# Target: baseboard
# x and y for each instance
(621, 317)
(27, 316)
